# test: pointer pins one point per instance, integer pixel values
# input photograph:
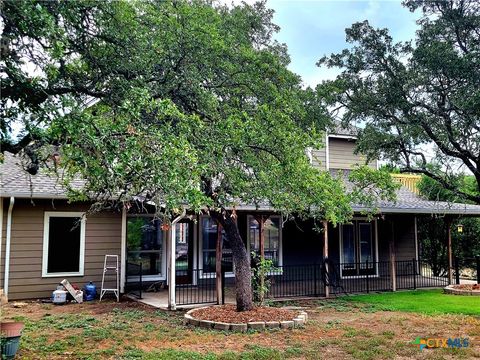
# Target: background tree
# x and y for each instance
(433, 231)
(198, 109)
(417, 99)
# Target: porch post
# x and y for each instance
(449, 249)
(171, 269)
(218, 263)
(172, 263)
(261, 240)
(325, 255)
(123, 250)
(392, 256)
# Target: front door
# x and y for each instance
(184, 251)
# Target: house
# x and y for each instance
(45, 239)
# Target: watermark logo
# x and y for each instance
(432, 343)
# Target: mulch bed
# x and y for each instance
(228, 313)
(468, 287)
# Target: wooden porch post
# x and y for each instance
(392, 256)
(325, 255)
(171, 269)
(449, 249)
(172, 305)
(261, 243)
(218, 263)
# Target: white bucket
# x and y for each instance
(59, 297)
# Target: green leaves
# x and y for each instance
(417, 102)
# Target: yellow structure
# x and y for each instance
(410, 181)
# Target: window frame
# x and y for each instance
(280, 239)
(46, 232)
(374, 236)
(162, 276)
(207, 274)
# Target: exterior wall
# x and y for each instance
(404, 229)
(319, 158)
(102, 236)
(342, 156)
(2, 240)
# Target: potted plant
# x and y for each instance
(10, 333)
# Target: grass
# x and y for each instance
(354, 327)
(419, 301)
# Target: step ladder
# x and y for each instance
(110, 265)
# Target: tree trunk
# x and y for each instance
(241, 260)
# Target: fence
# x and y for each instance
(296, 280)
(311, 280)
(134, 280)
(195, 287)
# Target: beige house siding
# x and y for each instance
(3, 236)
(319, 158)
(404, 237)
(342, 156)
(102, 236)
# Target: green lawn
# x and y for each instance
(421, 301)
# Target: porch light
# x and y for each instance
(460, 228)
(165, 227)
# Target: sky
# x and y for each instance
(314, 28)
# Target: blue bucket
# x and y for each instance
(9, 346)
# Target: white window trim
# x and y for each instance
(327, 152)
(340, 237)
(46, 230)
(203, 274)
(280, 245)
(159, 277)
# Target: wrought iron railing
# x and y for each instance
(195, 286)
(295, 280)
(134, 279)
(311, 280)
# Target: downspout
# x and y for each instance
(7, 246)
(172, 263)
(1, 231)
(123, 250)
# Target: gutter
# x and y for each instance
(172, 273)
(1, 231)
(7, 246)
(123, 250)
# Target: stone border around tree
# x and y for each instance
(451, 289)
(298, 322)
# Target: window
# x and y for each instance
(209, 245)
(63, 244)
(358, 246)
(145, 244)
(273, 238)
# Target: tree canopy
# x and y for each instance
(417, 99)
(194, 106)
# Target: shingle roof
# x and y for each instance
(411, 203)
(339, 129)
(15, 181)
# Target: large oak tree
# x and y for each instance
(195, 107)
(420, 101)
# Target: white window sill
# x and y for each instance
(66, 274)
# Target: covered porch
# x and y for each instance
(381, 254)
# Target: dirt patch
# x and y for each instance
(229, 314)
